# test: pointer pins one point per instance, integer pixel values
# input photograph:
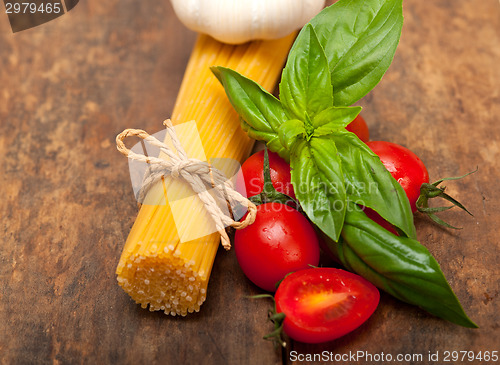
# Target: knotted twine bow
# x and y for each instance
(198, 174)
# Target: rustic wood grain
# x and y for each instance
(69, 86)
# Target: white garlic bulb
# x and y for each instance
(238, 21)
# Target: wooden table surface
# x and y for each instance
(69, 86)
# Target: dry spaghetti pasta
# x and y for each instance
(158, 268)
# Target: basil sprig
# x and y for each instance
(336, 59)
(305, 126)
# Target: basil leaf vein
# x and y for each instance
(370, 184)
(306, 85)
(360, 43)
(318, 183)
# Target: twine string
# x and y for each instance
(198, 174)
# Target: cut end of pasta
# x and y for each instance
(164, 282)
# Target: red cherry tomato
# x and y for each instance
(324, 304)
(358, 127)
(281, 240)
(253, 175)
(404, 166)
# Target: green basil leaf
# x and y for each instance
(399, 265)
(289, 132)
(334, 119)
(271, 139)
(261, 112)
(368, 182)
(306, 82)
(318, 183)
(359, 38)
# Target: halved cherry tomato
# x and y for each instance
(404, 166)
(358, 127)
(323, 304)
(253, 175)
(281, 240)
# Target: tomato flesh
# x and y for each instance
(323, 304)
(281, 240)
(252, 181)
(404, 166)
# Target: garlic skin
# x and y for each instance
(239, 21)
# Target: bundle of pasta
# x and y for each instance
(158, 266)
